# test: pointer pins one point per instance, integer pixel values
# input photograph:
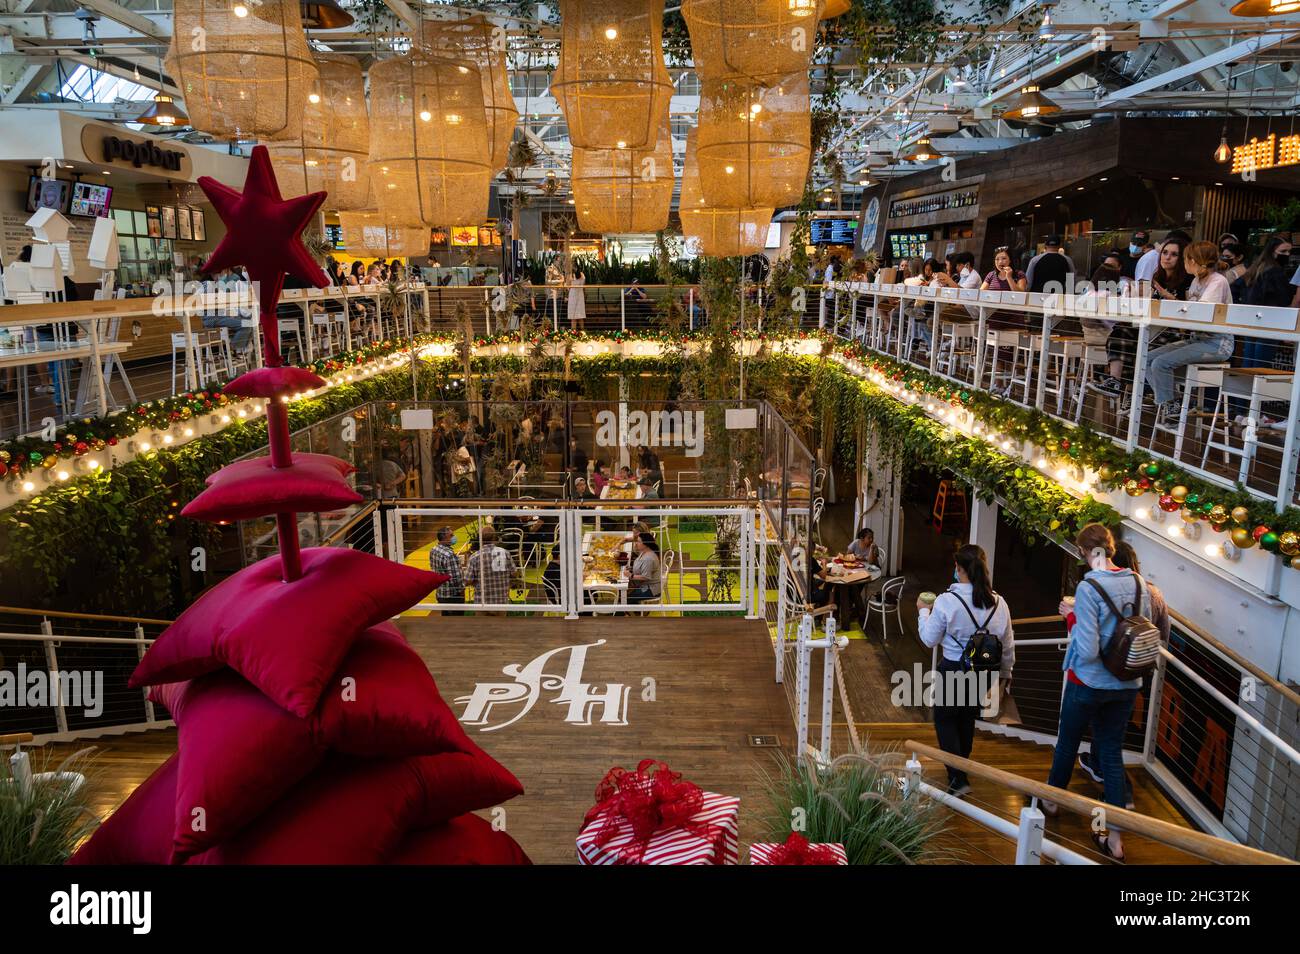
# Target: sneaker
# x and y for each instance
(1085, 763)
(1109, 385)
(1170, 414)
(959, 789)
(44, 389)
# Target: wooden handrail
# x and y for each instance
(16, 738)
(1034, 620)
(1193, 842)
(22, 611)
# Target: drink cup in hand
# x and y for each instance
(1067, 605)
(925, 601)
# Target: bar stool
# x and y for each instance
(995, 340)
(294, 327)
(1094, 356)
(949, 502)
(207, 355)
(1064, 353)
(1199, 377)
(323, 327)
(956, 345)
(1258, 385)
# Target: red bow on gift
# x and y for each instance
(797, 850)
(650, 800)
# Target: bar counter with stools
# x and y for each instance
(1034, 353)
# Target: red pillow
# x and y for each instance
(287, 639)
(239, 752)
(465, 840)
(260, 464)
(355, 811)
(308, 487)
(273, 382)
(140, 831)
(384, 703)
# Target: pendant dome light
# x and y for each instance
(1265, 8)
(1030, 103)
(754, 142)
(331, 154)
(429, 159)
(752, 38)
(242, 76)
(478, 40)
(722, 233)
(611, 82)
(922, 151)
(324, 15)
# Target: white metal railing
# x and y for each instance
(882, 317)
(546, 568)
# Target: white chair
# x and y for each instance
(207, 346)
(294, 327)
(956, 345)
(887, 602)
(1199, 377)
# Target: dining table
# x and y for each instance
(848, 579)
(601, 570)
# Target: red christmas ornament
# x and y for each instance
(80, 448)
(264, 234)
(1167, 503)
(1259, 532)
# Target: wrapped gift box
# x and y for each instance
(710, 837)
(797, 850)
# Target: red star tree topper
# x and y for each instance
(264, 234)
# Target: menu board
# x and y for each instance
(153, 218)
(464, 236)
(167, 215)
(834, 231)
(184, 225)
(908, 244)
(200, 225)
(90, 200)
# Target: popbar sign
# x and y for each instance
(141, 154)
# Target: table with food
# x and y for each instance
(605, 556)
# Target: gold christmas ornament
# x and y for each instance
(754, 142)
(242, 76)
(1288, 542)
(1179, 493)
(1295, 563)
(429, 156)
(623, 190)
(1241, 538)
(611, 82)
(479, 41)
(1133, 488)
(331, 154)
(1218, 514)
(722, 233)
(751, 38)
(1240, 515)
(368, 234)
(1189, 515)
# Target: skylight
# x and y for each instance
(96, 86)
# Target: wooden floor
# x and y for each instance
(712, 687)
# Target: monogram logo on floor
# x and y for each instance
(585, 704)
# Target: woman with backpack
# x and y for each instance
(972, 626)
(1111, 604)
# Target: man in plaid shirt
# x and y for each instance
(443, 559)
(491, 570)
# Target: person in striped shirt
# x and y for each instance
(443, 559)
(491, 571)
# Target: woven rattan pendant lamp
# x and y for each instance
(477, 40)
(429, 159)
(721, 232)
(623, 190)
(331, 155)
(754, 38)
(369, 234)
(754, 142)
(611, 82)
(242, 76)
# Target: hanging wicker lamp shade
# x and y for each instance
(623, 190)
(429, 160)
(331, 155)
(722, 233)
(754, 38)
(242, 76)
(611, 82)
(477, 40)
(369, 234)
(754, 142)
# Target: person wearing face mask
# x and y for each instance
(1232, 262)
(443, 559)
(969, 605)
(1136, 245)
(1094, 697)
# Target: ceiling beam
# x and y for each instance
(1237, 51)
(129, 18)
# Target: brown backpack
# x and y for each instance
(1134, 648)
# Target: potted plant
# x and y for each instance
(44, 814)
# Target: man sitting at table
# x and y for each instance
(864, 547)
(491, 571)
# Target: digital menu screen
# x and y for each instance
(908, 244)
(91, 201)
(834, 231)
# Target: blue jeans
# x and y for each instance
(1107, 711)
(1258, 354)
(240, 335)
(1165, 360)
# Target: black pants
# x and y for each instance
(954, 724)
(445, 603)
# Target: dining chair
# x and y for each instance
(887, 602)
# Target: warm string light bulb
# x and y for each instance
(240, 10)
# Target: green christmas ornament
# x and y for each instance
(1151, 469)
(1270, 542)
(1193, 500)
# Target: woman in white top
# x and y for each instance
(965, 607)
(577, 302)
(1202, 262)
